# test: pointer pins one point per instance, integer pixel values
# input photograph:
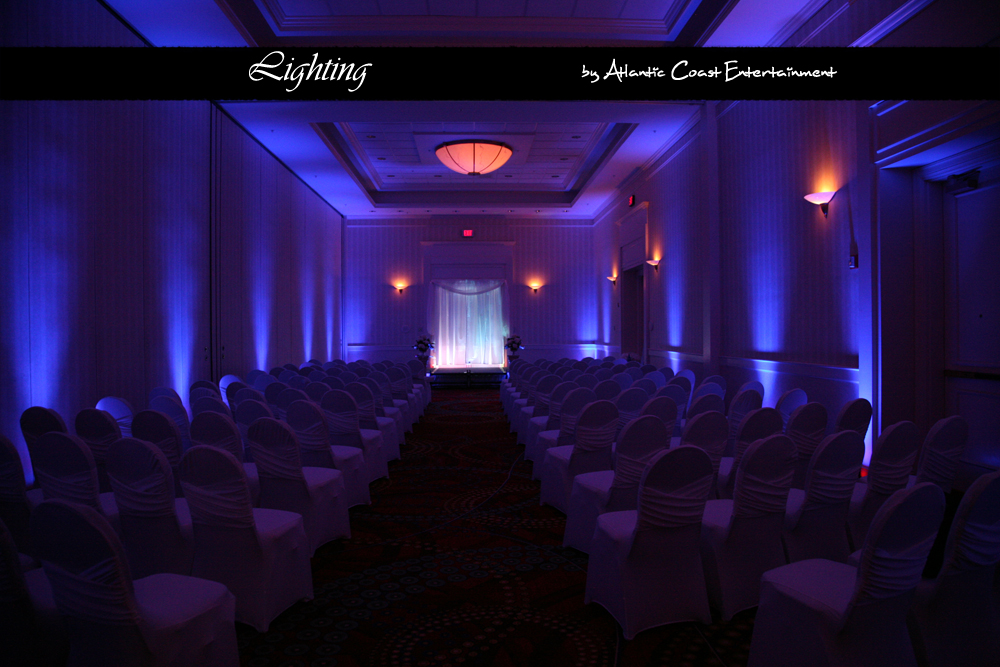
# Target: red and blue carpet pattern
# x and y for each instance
(455, 563)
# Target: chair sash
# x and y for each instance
(276, 462)
(592, 439)
(806, 443)
(366, 410)
(939, 465)
(97, 593)
(555, 408)
(760, 497)
(887, 477)
(78, 487)
(625, 416)
(628, 470)
(149, 497)
(399, 386)
(827, 489)
(99, 445)
(224, 504)
(680, 507)
(125, 425)
(889, 574)
(567, 424)
(314, 437)
(979, 545)
(230, 443)
(342, 423)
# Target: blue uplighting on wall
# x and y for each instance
(308, 291)
(329, 305)
(260, 306)
(766, 297)
(178, 245)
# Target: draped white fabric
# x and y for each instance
(468, 319)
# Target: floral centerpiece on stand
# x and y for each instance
(423, 346)
(513, 344)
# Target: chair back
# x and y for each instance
(217, 430)
(121, 411)
(224, 383)
(764, 477)
(98, 429)
(210, 404)
(65, 469)
(333, 382)
(668, 372)
(307, 420)
(286, 375)
(248, 412)
(174, 409)
(629, 404)
(248, 394)
(623, 379)
(165, 391)
(144, 489)
(637, 443)
(673, 490)
(834, 468)
(756, 425)
(634, 371)
(36, 421)
(556, 399)
(897, 544)
(205, 384)
(286, 398)
(706, 403)
(646, 385)
(664, 409)
(276, 452)
(807, 428)
(708, 431)
(607, 390)
(744, 402)
(341, 413)
(706, 388)
(594, 436)
(855, 415)
(588, 380)
(974, 537)
(232, 393)
(86, 567)
(201, 392)
(789, 402)
(161, 431)
(657, 378)
(298, 381)
(892, 458)
(572, 406)
(260, 384)
(365, 401)
(271, 393)
(941, 450)
(315, 390)
(714, 379)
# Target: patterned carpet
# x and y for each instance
(455, 563)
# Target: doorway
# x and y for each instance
(633, 314)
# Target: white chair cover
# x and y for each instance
(591, 451)
(218, 430)
(165, 391)
(111, 619)
(706, 403)
(249, 411)
(757, 425)
(569, 413)
(316, 493)
(65, 469)
(820, 612)
(706, 388)
(941, 451)
(607, 390)
(341, 413)
(155, 526)
(888, 471)
(745, 402)
(33, 631)
(594, 493)
(816, 518)
(261, 381)
(306, 419)
(224, 392)
(98, 429)
(741, 538)
(122, 412)
(658, 378)
(286, 398)
(856, 415)
(807, 428)
(677, 394)
(161, 431)
(789, 402)
(261, 555)
(541, 397)
(645, 565)
(956, 614)
(399, 383)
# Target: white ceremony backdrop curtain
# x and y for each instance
(468, 319)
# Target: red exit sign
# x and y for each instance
(466, 232)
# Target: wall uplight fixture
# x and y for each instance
(535, 287)
(473, 156)
(822, 199)
(400, 287)
(655, 263)
(613, 279)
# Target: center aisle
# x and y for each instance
(455, 563)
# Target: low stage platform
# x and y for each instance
(467, 376)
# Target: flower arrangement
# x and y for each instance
(424, 344)
(513, 343)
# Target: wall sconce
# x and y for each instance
(822, 199)
(400, 287)
(655, 263)
(534, 286)
(613, 279)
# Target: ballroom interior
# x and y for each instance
(156, 243)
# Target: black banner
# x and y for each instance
(463, 73)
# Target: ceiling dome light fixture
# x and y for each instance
(473, 156)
